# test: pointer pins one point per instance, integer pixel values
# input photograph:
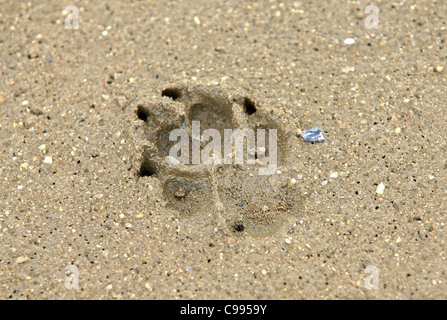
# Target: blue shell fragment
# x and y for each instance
(313, 135)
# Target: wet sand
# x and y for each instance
(73, 199)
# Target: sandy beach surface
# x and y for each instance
(90, 209)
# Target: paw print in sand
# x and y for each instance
(213, 153)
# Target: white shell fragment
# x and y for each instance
(349, 41)
(380, 188)
(48, 160)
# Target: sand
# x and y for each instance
(89, 209)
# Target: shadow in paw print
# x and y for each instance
(249, 106)
(148, 167)
(173, 93)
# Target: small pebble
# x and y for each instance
(349, 41)
(180, 193)
(48, 160)
(439, 69)
(333, 175)
(380, 188)
(25, 102)
(348, 69)
(22, 259)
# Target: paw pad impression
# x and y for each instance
(248, 199)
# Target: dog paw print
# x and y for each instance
(221, 154)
